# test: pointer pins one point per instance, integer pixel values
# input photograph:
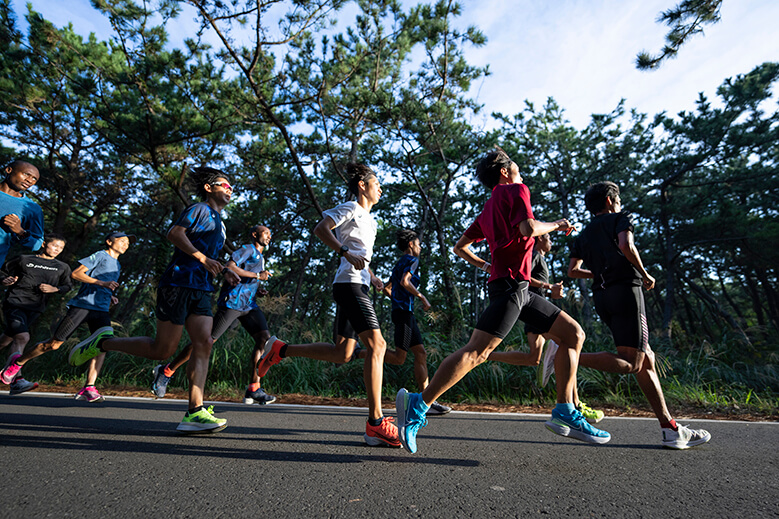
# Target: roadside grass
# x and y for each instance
(717, 378)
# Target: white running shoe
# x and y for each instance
(684, 437)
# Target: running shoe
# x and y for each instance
(438, 409)
(11, 369)
(202, 422)
(547, 367)
(159, 385)
(88, 348)
(590, 414)
(411, 410)
(684, 437)
(385, 434)
(258, 397)
(270, 355)
(90, 394)
(575, 426)
(20, 385)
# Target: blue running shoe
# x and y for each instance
(576, 426)
(411, 411)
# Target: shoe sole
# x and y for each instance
(400, 410)
(375, 441)
(154, 390)
(85, 342)
(562, 430)
(431, 412)
(686, 445)
(260, 402)
(196, 429)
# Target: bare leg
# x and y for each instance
(181, 358)
(38, 350)
(93, 369)
(5, 340)
(650, 385)
(460, 363)
(373, 370)
(199, 329)
(339, 353)
(260, 339)
(420, 366)
(396, 357)
(17, 342)
(521, 358)
(162, 346)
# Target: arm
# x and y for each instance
(324, 231)
(9, 273)
(532, 227)
(405, 282)
(628, 248)
(80, 274)
(576, 271)
(177, 235)
(387, 289)
(463, 250)
(375, 281)
(247, 274)
(555, 291)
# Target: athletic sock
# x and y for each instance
(194, 410)
(566, 409)
(254, 387)
(167, 371)
(283, 351)
(669, 425)
(375, 422)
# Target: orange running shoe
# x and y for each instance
(385, 433)
(270, 355)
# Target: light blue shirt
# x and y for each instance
(32, 221)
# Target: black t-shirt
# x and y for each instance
(598, 246)
(32, 271)
(539, 270)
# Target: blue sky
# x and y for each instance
(581, 52)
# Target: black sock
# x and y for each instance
(375, 422)
(100, 343)
(283, 351)
(195, 410)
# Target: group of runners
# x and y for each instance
(185, 289)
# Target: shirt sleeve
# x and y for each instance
(91, 261)
(340, 213)
(624, 222)
(64, 284)
(576, 249)
(474, 232)
(34, 227)
(413, 266)
(520, 206)
(190, 216)
(11, 267)
(240, 256)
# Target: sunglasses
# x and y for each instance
(224, 185)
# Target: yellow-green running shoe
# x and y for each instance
(592, 415)
(88, 348)
(202, 422)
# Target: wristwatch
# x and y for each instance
(343, 250)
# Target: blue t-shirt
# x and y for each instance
(204, 228)
(401, 298)
(241, 297)
(32, 221)
(104, 267)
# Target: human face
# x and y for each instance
(415, 247)
(53, 248)
(22, 179)
(220, 190)
(371, 189)
(119, 245)
(510, 175)
(543, 243)
(263, 236)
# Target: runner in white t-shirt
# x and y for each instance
(355, 233)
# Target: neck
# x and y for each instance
(45, 256)
(8, 190)
(113, 253)
(259, 246)
(363, 202)
(215, 205)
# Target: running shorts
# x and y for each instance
(17, 320)
(406, 330)
(252, 320)
(354, 311)
(621, 307)
(175, 304)
(510, 300)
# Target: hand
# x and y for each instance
(557, 291)
(14, 223)
(425, 303)
(110, 285)
(231, 277)
(563, 225)
(10, 280)
(264, 275)
(213, 266)
(261, 292)
(649, 282)
(376, 282)
(114, 300)
(357, 261)
(47, 289)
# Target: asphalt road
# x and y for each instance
(123, 458)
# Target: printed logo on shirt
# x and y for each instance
(44, 267)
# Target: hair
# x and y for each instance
(595, 197)
(403, 237)
(358, 173)
(50, 237)
(203, 176)
(488, 168)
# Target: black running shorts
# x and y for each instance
(510, 300)
(17, 320)
(75, 316)
(175, 304)
(621, 307)
(253, 321)
(354, 311)
(406, 330)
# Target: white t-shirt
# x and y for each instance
(355, 228)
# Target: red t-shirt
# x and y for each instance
(499, 222)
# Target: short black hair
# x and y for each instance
(488, 168)
(403, 237)
(595, 197)
(52, 236)
(203, 176)
(358, 173)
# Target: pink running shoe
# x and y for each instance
(270, 355)
(90, 394)
(11, 369)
